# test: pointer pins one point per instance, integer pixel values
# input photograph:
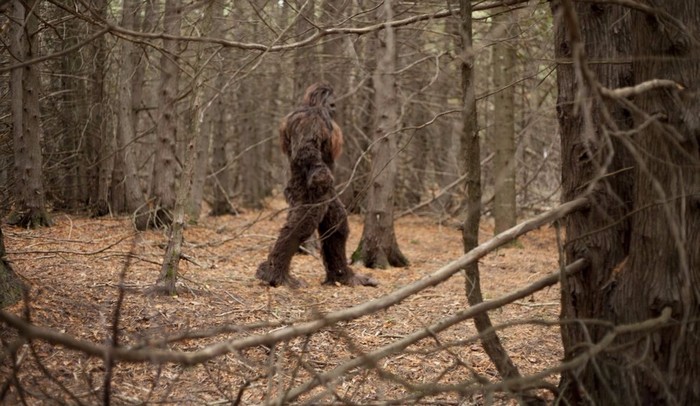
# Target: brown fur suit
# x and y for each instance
(312, 141)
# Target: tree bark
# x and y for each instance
(221, 181)
(251, 177)
(73, 112)
(10, 284)
(642, 234)
(663, 267)
(471, 156)
(210, 26)
(305, 59)
(100, 158)
(502, 134)
(358, 117)
(126, 192)
(341, 69)
(584, 152)
(378, 247)
(221, 173)
(165, 162)
(25, 86)
(445, 134)
(167, 280)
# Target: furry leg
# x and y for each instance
(334, 230)
(300, 225)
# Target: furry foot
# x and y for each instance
(362, 280)
(265, 274)
(349, 278)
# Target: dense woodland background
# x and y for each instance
(469, 114)
(122, 102)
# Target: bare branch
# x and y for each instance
(640, 88)
(398, 346)
(156, 355)
(441, 191)
(66, 51)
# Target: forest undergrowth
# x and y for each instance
(73, 270)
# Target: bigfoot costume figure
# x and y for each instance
(312, 141)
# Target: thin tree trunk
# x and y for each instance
(210, 26)
(358, 115)
(10, 285)
(503, 129)
(194, 206)
(445, 141)
(100, 158)
(305, 60)
(73, 114)
(378, 247)
(251, 175)
(420, 154)
(220, 170)
(27, 130)
(221, 173)
(164, 166)
(126, 173)
(471, 152)
(144, 93)
(167, 280)
(340, 69)
(17, 48)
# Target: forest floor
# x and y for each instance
(74, 267)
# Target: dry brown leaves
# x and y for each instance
(73, 269)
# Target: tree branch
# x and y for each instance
(68, 50)
(397, 346)
(159, 356)
(640, 88)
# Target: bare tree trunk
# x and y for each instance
(471, 152)
(144, 94)
(357, 117)
(27, 130)
(445, 141)
(17, 48)
(73, 114)
(10, 285)
(341, 70)
(503, 129)
(251, 174)
(146, 19)
(167, 280)
(194, 206)
(221, 173)
(663, 267)
(220, 170)
(210, 26)
(420, 155)
(642, 234)
(378, 247)
(165, 162)
(585, 152)
(305, 60)
(132, 200)
(100, 159)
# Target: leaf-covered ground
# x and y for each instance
(74, 270)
